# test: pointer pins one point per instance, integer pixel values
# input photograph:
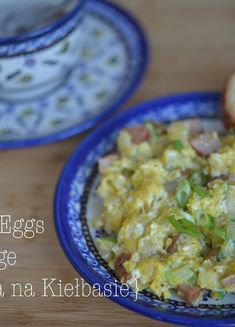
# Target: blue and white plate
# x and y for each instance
(76, 204)
(111, 63)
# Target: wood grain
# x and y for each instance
(192, 48)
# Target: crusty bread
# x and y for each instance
(228, 102)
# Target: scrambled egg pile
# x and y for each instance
(169, 209)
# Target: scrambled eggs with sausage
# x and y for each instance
(168, 210)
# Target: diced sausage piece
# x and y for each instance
(228, 281)
(106, 162)
(192, 294)
(172, 248)
(206, 143)
(138, 133)
(228, 102)
(194, 125)
(119, 268)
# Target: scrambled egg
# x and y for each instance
(169, 210)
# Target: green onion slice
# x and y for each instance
(176, 223)
(186, 215)
(218, 294)
(192, 229)
(178, 145)
(109, 239)
(204, 220)
(183, 193)
(185, 226)
(201, 191)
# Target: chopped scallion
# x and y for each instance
(191, 228)
(185, 226)
(109, 239)
(204, 220)
(178, 145)
(186, 215)
(176, 223)
(183, 193)
(218, 294)
(201, 191)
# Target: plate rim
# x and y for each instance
(92, 122)
(67, 244)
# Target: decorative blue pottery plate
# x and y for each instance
(76, 204)
(111, 63)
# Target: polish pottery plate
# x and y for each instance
(111, 63)
(76, 204)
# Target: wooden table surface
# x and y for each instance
(192, 48)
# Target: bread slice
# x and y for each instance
(228, 102)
